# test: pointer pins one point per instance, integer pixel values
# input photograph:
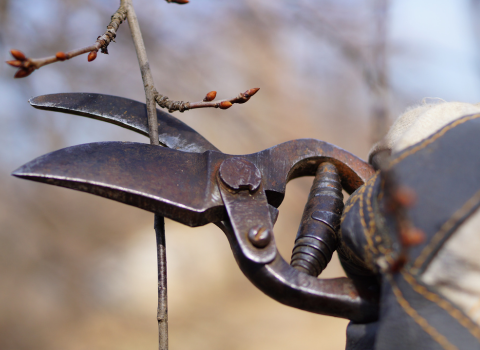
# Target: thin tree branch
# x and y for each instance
(148, 84)
(28, 65)
(145, 71)
(165, 102)
(162, 310)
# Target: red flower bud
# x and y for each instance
(225, 104)
(92, 55)
(15, 63)
(210, 96)
(18, 55)
(251, 92)
(61, 56)
(22, 73)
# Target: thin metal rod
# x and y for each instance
(162, 312)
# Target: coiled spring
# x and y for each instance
(317, 236)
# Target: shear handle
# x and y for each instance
(250, 233)
(338, 297)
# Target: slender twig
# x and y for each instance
(145, 71)
(162, 310)
(165, 102)
(28, 65)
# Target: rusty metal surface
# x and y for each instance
(181, 185)
(128, 114)
(240, 174)
(317, 239)
(301, 157)
(249, 215)
(338, 297)
(167, 182)
(239, 193)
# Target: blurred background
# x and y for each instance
(79, 271)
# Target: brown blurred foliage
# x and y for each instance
(78, 271)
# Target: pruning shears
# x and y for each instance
(190, 181)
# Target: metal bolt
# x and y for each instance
(259, 236)
(240, 174)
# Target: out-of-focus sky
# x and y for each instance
(435, 49)
(77, 271)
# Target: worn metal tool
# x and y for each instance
(128, 114)
(239, 193)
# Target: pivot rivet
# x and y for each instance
(259, 236)
(240, 174)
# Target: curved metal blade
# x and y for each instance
(164, 181)
(126, 113)
(182, 185)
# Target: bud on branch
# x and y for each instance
(91, 56)
(28, 65)
(18, 55)
(210, 96)
(165, 102)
